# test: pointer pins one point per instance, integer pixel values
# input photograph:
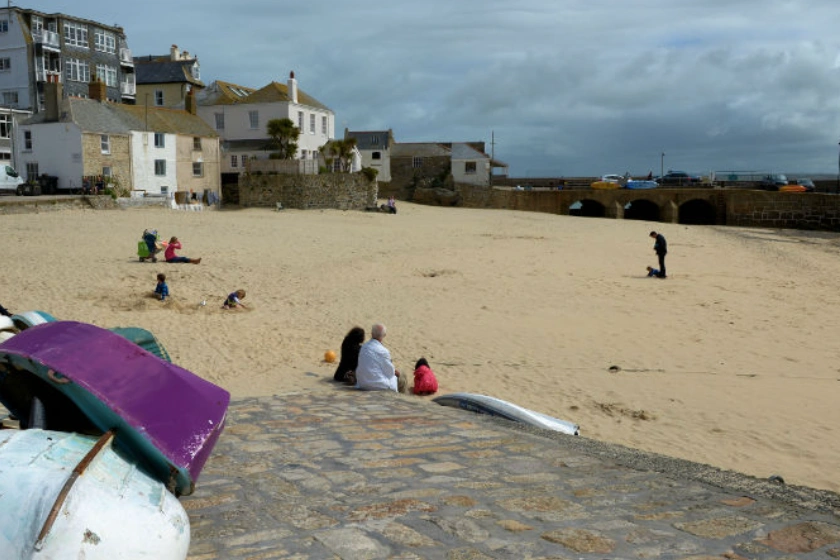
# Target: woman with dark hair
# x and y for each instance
(425, 382)
(346, 370)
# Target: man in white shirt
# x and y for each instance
(375, 371)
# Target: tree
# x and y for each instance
(341, 151)
(284, 135)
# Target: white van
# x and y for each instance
(10, 181)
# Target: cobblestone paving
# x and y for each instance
(356, 475)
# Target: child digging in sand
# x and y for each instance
(161, 290)
(234, 300)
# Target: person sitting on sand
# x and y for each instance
(652, 271)
(425, 382)
(350, 346)
(234, 300)
(161, 290)
(171, 257)
(375, 371)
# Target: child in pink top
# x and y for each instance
(171, 257)
(425, 382)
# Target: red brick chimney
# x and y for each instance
(189, 101)
(53, 93)
(97, 89)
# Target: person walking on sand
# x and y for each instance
(171, 257)
(375, 371)
(660, 246)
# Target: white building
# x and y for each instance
(240, 116)
(375, 150)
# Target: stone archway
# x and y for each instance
(642, 209)
(588, 209)
(698, 212)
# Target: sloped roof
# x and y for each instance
(419, 149)
(462, 150)
(160, 70)
(370, 139)
(224, 93)
(117, 118)
(276, 91)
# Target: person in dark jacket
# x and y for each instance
(660, 246)
(346, 370)
(4, 311)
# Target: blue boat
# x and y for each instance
(638, 185)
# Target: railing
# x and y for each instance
(125, 57)
(42, 75)
(47, 38)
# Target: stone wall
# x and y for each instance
(783, 210)
(343, 191)
(434, 172)
(119, 158)
(38, 204)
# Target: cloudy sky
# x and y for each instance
(568, 87)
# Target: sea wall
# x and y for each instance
(342, 191)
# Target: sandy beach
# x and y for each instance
(730, 361)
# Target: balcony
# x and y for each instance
(128, 89)
(47, 39)
(125, 58)
(42, 75)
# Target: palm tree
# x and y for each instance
(284, 135)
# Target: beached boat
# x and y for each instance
(483, 404)
(82, 378)
(29, 319)
(641, 184)
(67, 496)
(605, 185)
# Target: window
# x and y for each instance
(324, 126)
(27, 140)
(197, 143)
(107, 74)
(469, 167)
(75, 35)
(312, 124)
(198, 169)
(105, 143)
(10, 98)
(5, 125)
(5, 64)
(376, 155)
(37, 25)
(160, 140)
(195, 70)
(303, 154)
(160, 167)
(416, 162)
(220, 121)
(300, 120)
(31, 170)
(106, 171)
(233, 162)
(254, 119)
(374, 140)
(104, 41)
(4, 26)
(158, 98)
(77, 70)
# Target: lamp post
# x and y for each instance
(662, 165)
(837, 190)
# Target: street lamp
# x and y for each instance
(837, 190)
(662, 165)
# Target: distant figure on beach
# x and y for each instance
(171, 257)
(375, 371)
(392, 205)
(425, 382)
(234, 300)
(660, 246)
(350, 346)
(161, 289)
(652, 271)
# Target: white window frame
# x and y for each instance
(77, 70)
(253, 119)
(160, 140)
(5, 64)
(37, 24)
(4, 25)
(160, 168)
(105, 41)
(196, 143)
(324, 124)
(75, 35)
(10, 98)
(158, 98)
(27, 140)
(105, 143)
(233, 161)
(312, 123)
(220, 121)
(198, 169)
(107, 74)
(5, 125)
(300, 121)
(32, 170)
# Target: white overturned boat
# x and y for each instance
(68, 496)
(504, 409)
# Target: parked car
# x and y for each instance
(10, 181)
(773, 182)
(678, 178)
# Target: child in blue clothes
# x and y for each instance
(652, 271)
(234, 300)
(161, 290)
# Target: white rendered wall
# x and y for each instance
(57, 148)
(13, 47)
(481, 176)
(143, 156)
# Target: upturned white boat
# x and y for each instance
(68, 496)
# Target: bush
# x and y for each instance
(370, 173)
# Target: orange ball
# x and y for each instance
(329, 356)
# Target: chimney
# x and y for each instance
(189, 102)
(97, 89)
(53, 92)
(173, 53)
(293, 87)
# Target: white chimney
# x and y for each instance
(293, 87)
(174, 54)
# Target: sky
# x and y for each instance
(563, 87)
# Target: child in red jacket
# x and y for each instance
(425, 382)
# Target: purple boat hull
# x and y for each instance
(165, 417)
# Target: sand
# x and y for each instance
(731, 361)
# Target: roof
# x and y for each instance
(225, 93)
(159, 70)
(370, 139)
(419, 149)
(466, 151)
(58, 15)
(117, 118)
